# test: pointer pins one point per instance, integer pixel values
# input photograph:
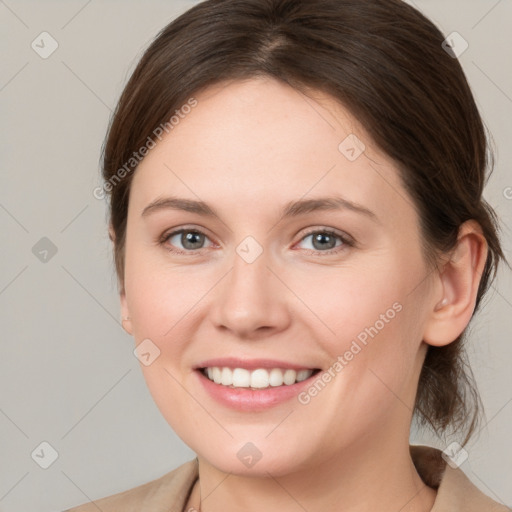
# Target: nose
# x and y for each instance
(251, 301)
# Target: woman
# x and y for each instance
(300, 241)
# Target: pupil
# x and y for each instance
(189, 238)
(321, 236)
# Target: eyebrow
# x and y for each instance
(291, 209)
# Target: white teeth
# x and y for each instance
(276, 377)
(303, 375)
(226, 377)
(289, 377)
(241, 378)
(217, 375)
(257, 379)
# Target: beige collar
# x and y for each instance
(455, 492)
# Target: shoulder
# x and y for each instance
(455, 491)
(167, 493)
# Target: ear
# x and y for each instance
(111, 233)
(125, 312)
(126, 321)
(458, 280)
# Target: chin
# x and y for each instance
(247, 459)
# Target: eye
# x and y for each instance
(326, 241)
(190, 239)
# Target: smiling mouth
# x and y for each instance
(259, 378)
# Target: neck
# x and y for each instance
(366, 477)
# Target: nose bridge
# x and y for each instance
(250, 267)
(249, 284)
(251, 296)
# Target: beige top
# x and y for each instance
(170, 493)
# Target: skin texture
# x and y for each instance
(247, 149)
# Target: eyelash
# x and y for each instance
(345, 239)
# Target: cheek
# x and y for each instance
(372, 324)
(352, 304)
(162, 298)
(163, 306)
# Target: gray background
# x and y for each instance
(67, 372)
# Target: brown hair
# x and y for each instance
(384, 62)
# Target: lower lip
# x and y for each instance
(246, 399)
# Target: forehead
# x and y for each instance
(261, 140)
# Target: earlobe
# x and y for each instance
(111, 233)
(459, 280)
(126, 320)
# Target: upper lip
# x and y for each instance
(251, 364)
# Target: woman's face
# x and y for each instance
(274, 280)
